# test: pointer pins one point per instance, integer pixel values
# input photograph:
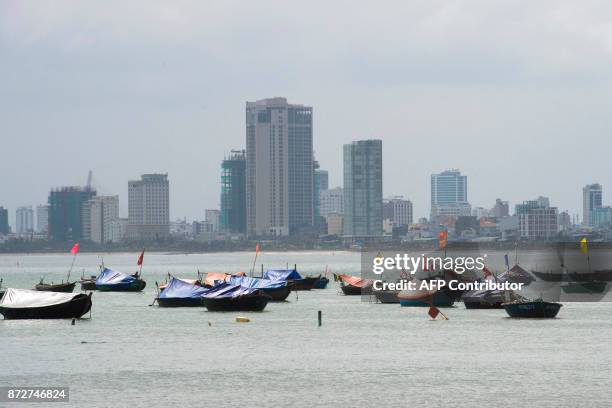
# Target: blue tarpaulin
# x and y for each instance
(110, 277)
(282, 274)
(181, 289)
(227, 290)
(256, 283)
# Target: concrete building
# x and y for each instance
(335, 224)
(4, 225)
(65, 213)
(449, 195)
(24, 220)
(537, 220)
(398, 211)
(233, 193)
(363, 212)
(332, 201)
(116, 232)
(280, 169)
(601, 217)
(500, 209)
(591, 199)
(321, 183)
(480, 212)
(42, 219)
(98, 215)
(149, 208)
(212, 217)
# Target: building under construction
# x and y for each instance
(233, 192)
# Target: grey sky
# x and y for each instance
(514, 93)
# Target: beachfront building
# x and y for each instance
(149, 208)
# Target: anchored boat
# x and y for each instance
(354, 285)
(32, 304)
(277, 290)
(112, 281)
(532, 308)
(179, 293)
(226, 297)
(292, 276)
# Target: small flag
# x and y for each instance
(257, 248)
(507, 261)
(75, 249)
(442, 237)
(433, 312)
(141, 258)
(583, 246)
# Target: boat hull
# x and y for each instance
(88, 285)
(75, 308)
(304, 284)
(483, 305)
(59, 287)
(180, 302)
(278, 294)
(351, 290)
(255, 303)
(538, 309)
(386, 296)
(439, 299)
(321, 283)
(135, 286)
(584, 287)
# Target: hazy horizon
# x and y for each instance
(513, 94)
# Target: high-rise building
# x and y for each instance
(42, 219)
(149, 208)
(99, 213)
(398, 211)
(537, 219)
(213, 217)
(4, 225)
(449, 195)
(280, 172)
(591, 199)
(321, 183)
(65, 212)
(24, 221)
(332, 201)
(233, 193)
(363, 212)
(500, 209)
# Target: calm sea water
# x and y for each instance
(131, 354)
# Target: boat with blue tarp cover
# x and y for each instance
(277, 290)
(179, 293)
(228, 297)
(113, 281)
(291, 275)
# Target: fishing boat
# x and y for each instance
(584, 287)
(354, 285)
(386, 296)
(179, 293)
(88, 283)
(277, 290)
(214, 278)
(165, 284)
(532, 308)
(292, 275)
(112, 281)
(66, 287)
(1, 290)
(226, 297)
(32, 304)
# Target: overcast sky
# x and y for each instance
(516, 94)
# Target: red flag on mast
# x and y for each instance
(75, 249)
(141, 258)
(433, 312)
(257, 249)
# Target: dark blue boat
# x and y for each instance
(226, 297)
(292, 276)
(277, 290)
(321, 283)
(179, 293)
(532, 309)
(112, 281)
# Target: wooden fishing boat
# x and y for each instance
(88, 283)
(180, 302)
(354, 285)
(30, 304)
(181, 293)
(482, 304)
(584, 287)
(532, 308)
(306, 283)
(277, 290)
(112, 281)
(67, 287)
(252, 302)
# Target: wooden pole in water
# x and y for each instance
(320, 318)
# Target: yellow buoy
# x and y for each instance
(242, 319)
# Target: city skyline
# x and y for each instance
(165, 92)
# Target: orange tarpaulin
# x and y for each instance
(211, 277)
(355, 281)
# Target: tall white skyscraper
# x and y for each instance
(449, 194)
(149, 208)
(24, 220)
(99, 215)
(42, 219)
(280, 169)
(591, 199)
